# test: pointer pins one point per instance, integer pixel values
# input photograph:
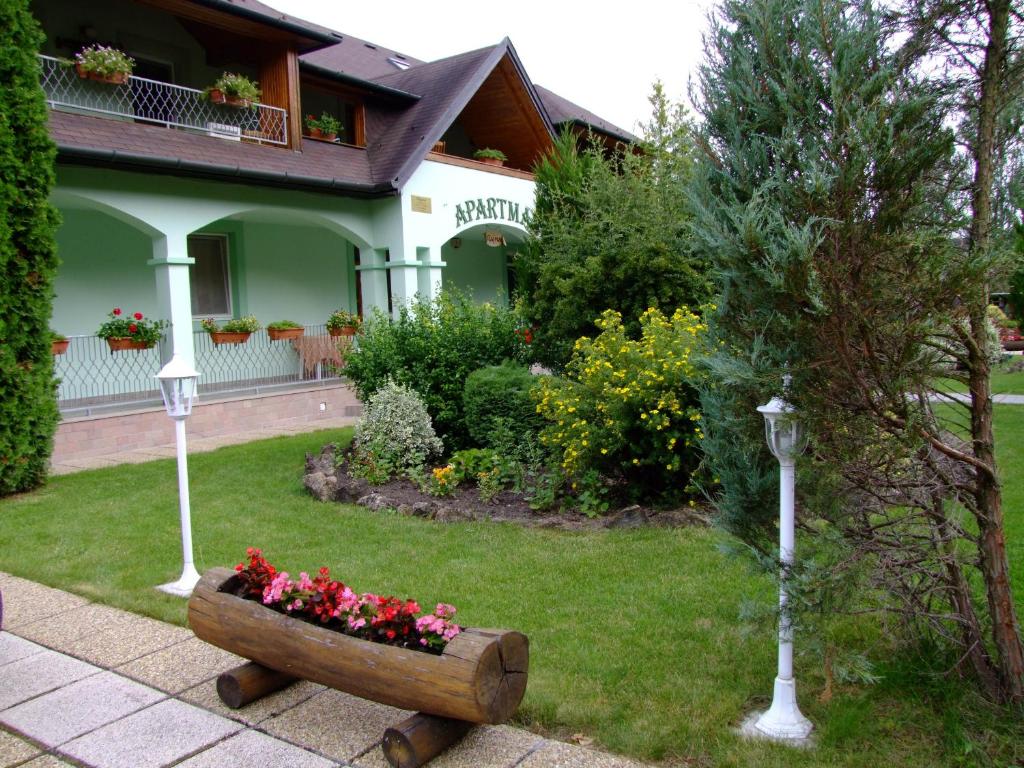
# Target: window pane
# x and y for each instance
(211, 290)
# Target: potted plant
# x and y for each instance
(235, 331)
(107, 65)
(342, 323)
(280, 330)
(134, 331)
(234, 90)
(58, 343)
(491, 156)
(325, 127)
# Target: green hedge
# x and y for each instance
(498, 397)
(28, 260)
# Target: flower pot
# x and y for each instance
(491, 161)
(230, 337)
(216, 96)
(117, 78)
(282, 334)
(118, 343)
(328, 136)
(315, 133)
(480, 677)
(59, 346)
(345, 330)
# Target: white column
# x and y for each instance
(373, 281)
(174, 297)
(404, 269)
(430, 273)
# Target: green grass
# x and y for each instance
(635, 638)
(1004, 382)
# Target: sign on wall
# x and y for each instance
(495, 208)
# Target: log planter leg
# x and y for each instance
(248, 682)
(419, 739)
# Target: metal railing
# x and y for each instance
(151, 101)
(93, 379)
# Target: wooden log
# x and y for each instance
(248, 682)
(480, 677)
(420, 738)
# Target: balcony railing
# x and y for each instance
(94, 379)
(150, 101)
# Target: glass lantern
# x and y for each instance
(178, 387)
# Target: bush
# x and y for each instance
(628, 409)
(28, 257)
(431, 348)
(395, 435)
(498, 398)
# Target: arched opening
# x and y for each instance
(479, 261)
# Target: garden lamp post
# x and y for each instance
(178, 387)
(785, 436)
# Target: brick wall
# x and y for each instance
(98, 435)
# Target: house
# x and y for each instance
(181, 208)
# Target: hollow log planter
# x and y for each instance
(480, 677)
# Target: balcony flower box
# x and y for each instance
(342, 323)
(480, 676)
(133, 331)
(235, 331)
(58, 344)
(103, 64)
(283, 330)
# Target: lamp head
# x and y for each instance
(177, 386)
(783, 432)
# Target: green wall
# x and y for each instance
(292, 272)
(477, 270)
(103, 265)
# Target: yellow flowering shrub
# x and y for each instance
(626, 408)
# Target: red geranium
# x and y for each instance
(117, 311)
(137, 315)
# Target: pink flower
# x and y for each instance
(305, 583)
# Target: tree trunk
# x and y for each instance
(988, 495)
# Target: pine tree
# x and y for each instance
(826, 200)
(28, 261)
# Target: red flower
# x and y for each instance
(117, 311)
(137, 315)
(132, 328)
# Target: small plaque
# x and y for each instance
(421, 204)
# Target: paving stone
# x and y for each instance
(153, 737)
(26, 602)
(46, 761)
(205, 696)
(13, 648)
(255, 750)
(486, 746)
(14, 750)
(110, 649)
(335, 724)
(39, 673)
(556, 754)
(97, 633)
(83, 707)
(181, 666)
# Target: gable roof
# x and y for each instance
(562, 111)
(358, 58)
(257, 11)
(446, 86)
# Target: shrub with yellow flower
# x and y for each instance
(628, 408)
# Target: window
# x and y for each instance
(209, 277)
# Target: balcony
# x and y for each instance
(93, 380)
(150, 101)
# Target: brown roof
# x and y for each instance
(254, 9)
(358, 58)
(325, 167)
(561, 110)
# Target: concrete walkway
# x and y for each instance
(197, 445)
(82, 684)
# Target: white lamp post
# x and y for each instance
(785, 437)
(178, 387)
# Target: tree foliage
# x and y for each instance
(609, 231)
(828, 198)
(28, 262)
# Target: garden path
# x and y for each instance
(104, 688)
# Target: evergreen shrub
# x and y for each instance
(431, 347)
(627, 409)
(28, 258)
(395, 435)
(497, 397)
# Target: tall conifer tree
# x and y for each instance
(28, 261)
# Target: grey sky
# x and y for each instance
(603, 57)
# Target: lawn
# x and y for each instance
(1006, 378)
(635, 636)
